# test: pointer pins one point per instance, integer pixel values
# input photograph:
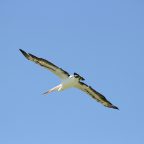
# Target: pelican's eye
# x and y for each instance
(76, 75)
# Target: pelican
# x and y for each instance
(68, 81)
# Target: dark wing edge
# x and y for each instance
(96, 95)
(46, 64)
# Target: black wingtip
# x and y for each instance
(24, 53)
(114, 107)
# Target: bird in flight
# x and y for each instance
(67, 80)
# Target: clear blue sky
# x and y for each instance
(101, 40)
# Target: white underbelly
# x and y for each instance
(68, 83)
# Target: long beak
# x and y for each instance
(53, 89)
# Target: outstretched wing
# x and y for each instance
(44, 63)
(94, 94)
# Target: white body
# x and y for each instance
(71, 81)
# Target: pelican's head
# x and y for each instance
(78, 76)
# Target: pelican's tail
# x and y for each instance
(57, 88)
